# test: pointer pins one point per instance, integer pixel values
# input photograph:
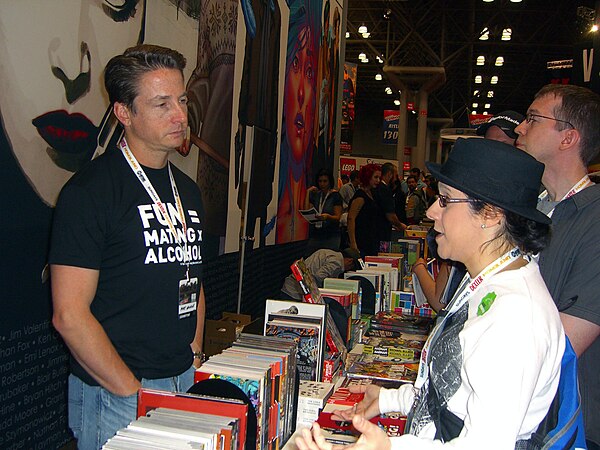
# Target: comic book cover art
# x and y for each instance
(307, 337)
(369, 366)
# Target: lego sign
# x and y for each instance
(347, 165)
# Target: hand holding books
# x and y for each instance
(372, 437)
(367, 407)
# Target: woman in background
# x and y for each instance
(328, 203)
(363, 209)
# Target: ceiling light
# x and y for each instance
(478, 79)
(388, 90)
(499, 61)
(387, 14)
(475, 105)
(366, 35)
(516, 1)
(487, 1)
(366, 60)
(378, 77)
(506, 34)
(476, 93)
(594, 28)
(379, 60)
(413, 111)
(480, 60)
(487, 106)
(485, 113)
(490, 94)
(362, 56)
(397, 102)
(473, 112)
(485, 34)
(347, 34)
(362, 29)
(494, 80)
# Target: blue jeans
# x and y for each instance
(95, 414)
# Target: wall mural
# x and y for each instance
(53, 120)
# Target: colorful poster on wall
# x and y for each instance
(54, 116)
(298, 133)
(210, 90)
(259, 59)
(389, 130)
(348, 97)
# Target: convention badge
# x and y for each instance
(188, 297)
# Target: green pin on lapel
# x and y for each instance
(486, 303)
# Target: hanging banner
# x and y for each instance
(389, 134)
(348, 107)
(477, 119)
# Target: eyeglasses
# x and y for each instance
(529, 118)
(444, 200)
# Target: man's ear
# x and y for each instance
(122, 113)
(570, 139)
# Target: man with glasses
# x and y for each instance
(561, 130)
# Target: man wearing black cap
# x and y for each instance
(561, 130)
(501, 127)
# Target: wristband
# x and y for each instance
(200, 355)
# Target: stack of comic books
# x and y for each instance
(178, 420)
(264, 369)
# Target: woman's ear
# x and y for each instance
(492, 216)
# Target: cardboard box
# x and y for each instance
(220, 334)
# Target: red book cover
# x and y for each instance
(149, 399)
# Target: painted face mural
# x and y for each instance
(299, 97)
(53, 102)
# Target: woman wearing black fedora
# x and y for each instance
(490, 368)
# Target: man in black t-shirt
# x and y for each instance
(126, 254)
(385, 199)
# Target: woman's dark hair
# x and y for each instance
(324, 173)
(526, 234)
(123, 72)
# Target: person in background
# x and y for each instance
(345, 179)
(128, 304)
(430, 191)
(490, 368)
(415, 203)
(501, 127)
(385, 200)
(561, 130)
(348, 189)
(328, 203)
(362, 228)
(323, 263)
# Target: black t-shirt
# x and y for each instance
(385, 200)
(366, 230)
(105, 220)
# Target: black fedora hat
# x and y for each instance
(496, 173)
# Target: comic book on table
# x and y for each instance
(372, 366)
(287, 350)
(253, 382)
(278, 374)
(269, 423)
(305, 323)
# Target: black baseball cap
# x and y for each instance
(507, 121)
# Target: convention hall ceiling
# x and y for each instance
(445, 33)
